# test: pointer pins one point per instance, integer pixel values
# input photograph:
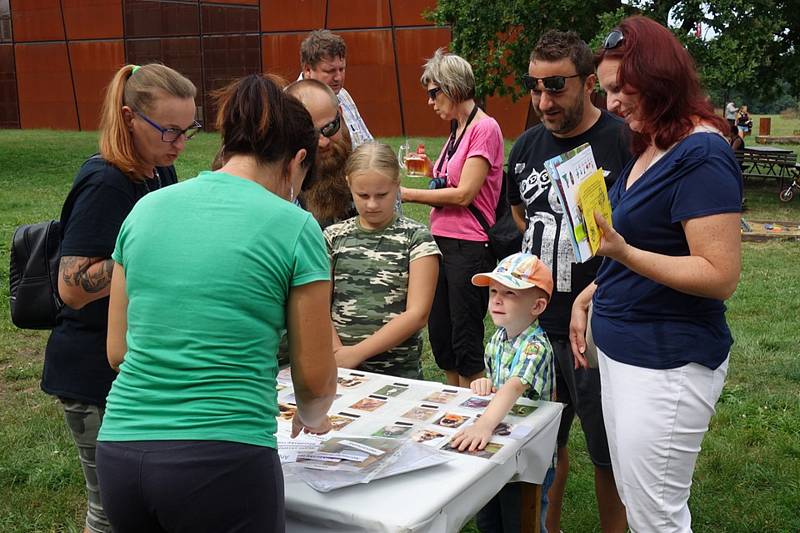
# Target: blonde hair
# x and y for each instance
(373, 156)
(452, 73)
(137, 88)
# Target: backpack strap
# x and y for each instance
(69, 202)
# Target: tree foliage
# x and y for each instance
(744, 47)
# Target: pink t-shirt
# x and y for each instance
(484, 139)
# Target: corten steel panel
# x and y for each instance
(45, 87)
(37, 20)
(226, 58)
(9, 113)
(511, 116)
(93, 19)
(94, 63)
(239, 2)
(181, 53)
(280, 54)
(372, 80)
(152, 18)
(358, 14)
(292, 15)
(229, 19)
(414, 47)
(409, 12)
(5, 21)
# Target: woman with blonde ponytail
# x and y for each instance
(147, 117)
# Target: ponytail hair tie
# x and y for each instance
(134, 69)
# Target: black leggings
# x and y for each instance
(190, 486)
(455, 325)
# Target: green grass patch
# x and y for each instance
(747, 477)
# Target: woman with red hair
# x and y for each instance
(671, 259)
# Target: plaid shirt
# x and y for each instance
(528, 356)
(359, 134)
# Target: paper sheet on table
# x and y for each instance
(399, 457)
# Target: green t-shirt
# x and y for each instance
(209, 264)
(370, 286)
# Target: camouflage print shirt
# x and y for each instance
(370, 286)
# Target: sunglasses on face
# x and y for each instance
(613, 40)
(551, 84)
(330, 129)
(170, 135)
(433, 92)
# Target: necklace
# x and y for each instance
(149, 182)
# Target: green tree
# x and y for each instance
(746, 46)
(497, 36)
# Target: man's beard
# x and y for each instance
(329, 197)
(570, 118)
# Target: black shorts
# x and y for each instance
(455, 325)
(579, 390)
(198, 486)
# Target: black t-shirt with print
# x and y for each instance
(75, 365)
(546, 235)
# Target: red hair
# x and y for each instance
(654, 65)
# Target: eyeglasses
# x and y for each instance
(613, 40)
(433, 92)
(551, 84)
(330, 129)
(170, 135)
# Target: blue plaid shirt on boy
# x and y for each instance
(528, 356)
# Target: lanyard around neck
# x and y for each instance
(452, 142)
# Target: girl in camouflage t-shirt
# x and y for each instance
(384, 269)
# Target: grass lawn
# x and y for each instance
(747, 477)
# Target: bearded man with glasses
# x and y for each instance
(328, 199)
(561, 80)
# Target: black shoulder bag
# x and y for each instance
(33, 272)
(504, 237)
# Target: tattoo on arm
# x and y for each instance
(82, 272)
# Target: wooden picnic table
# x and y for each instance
(768, 162)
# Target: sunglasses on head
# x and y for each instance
(613, 39)
(330, 129)
(433, 92)
(551, 84)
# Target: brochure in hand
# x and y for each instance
(582, 190)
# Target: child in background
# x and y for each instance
(384, 268)
(519, 362)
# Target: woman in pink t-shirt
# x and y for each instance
(469, 171)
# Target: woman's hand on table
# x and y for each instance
(298, 426)
(482, 387)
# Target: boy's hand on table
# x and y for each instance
(482, 387)
(474, 437)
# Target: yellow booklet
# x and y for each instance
(592, 196)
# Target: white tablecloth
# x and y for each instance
(438, 499)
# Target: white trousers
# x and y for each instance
(655, 421)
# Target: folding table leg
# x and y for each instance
(531, 507)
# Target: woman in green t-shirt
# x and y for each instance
(206, 277)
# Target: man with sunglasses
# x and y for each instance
(328, 199)
(561, 80)
(322, 58)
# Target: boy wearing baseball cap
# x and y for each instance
(519, 361)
